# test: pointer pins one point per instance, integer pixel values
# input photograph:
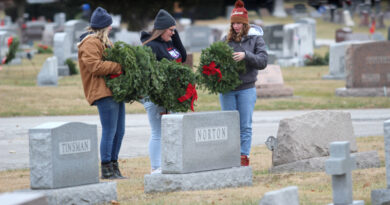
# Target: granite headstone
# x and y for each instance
(270, 83)
(48, 76)
(189, 139)
(63, 155)
(367, 65)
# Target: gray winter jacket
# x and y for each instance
(255, 56)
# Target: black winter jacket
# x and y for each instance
(255, 56)
(171, 50)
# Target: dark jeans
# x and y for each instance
(112, 118)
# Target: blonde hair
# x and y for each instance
(101, 34)
(155, 34)
(237, 37)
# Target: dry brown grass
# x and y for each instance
(314, 188)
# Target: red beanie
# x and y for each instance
(239, 13)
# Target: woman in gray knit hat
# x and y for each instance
(165, 43)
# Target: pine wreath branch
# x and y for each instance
(221, 54)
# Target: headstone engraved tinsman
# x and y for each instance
(63, 154)
(340, 165)
(64, 164)
(199, 151)
(367, 70)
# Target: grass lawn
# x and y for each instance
(19, 95)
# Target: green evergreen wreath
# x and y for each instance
(218, 72)
(138, 67)
(13, 44)
(175, 90)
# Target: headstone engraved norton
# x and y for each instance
(340, 165)
(382, 196)
(64, 164)
(199, 151)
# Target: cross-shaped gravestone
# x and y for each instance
(382, 196)
(340, 165)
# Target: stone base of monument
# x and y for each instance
(291, 62)
(23, 198)
(380, 196)
(333, 77)
(358, 202)
(63, 70)
(364, 160)
(216, 179)
(98, 193)
(363, 92)
(278, 91)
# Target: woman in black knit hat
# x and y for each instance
(165, 43)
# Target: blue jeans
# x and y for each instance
(154, 115)
(243, 101)
(112, 118)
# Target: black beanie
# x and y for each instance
(163, 20)
(100, 18)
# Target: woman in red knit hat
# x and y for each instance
(248, 46)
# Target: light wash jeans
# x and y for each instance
(243, 101)
(154, 115)
(112, 117)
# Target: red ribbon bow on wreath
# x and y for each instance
(212, 70)
(115, 75)
(190, 92)
(9, 42)
(10, 39)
